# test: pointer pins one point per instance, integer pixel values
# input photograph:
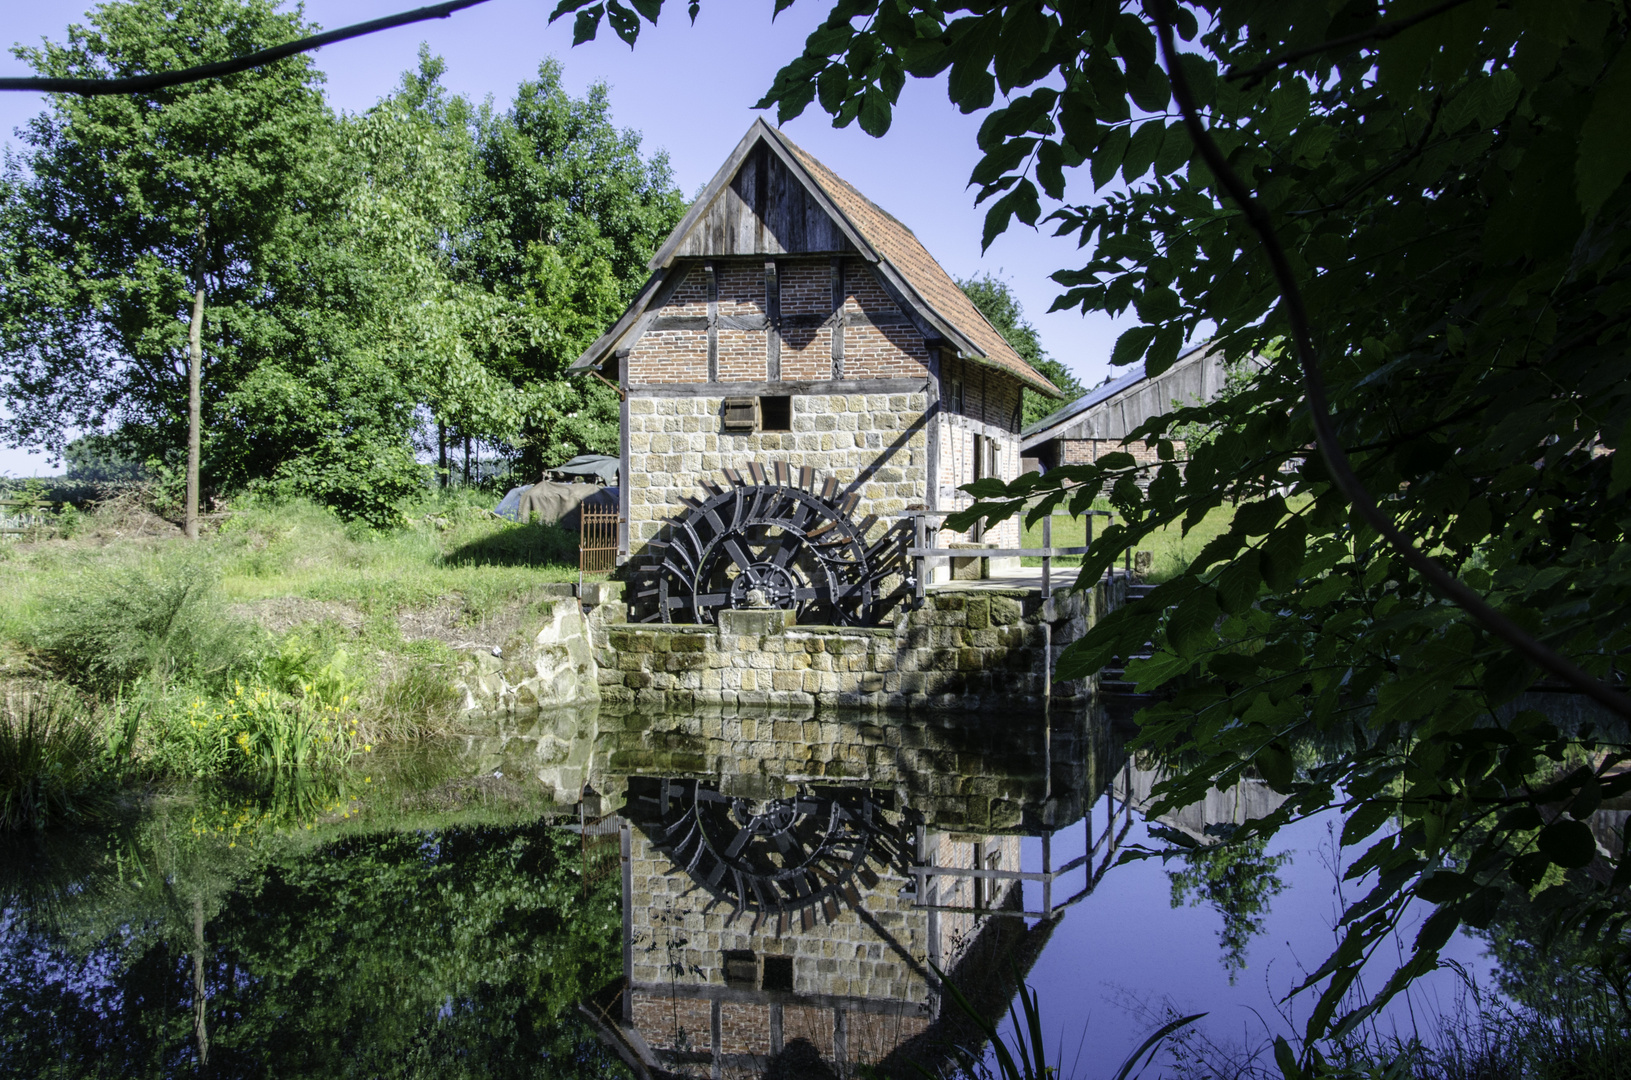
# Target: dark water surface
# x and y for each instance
(719, 893)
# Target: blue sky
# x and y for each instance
(690, 91)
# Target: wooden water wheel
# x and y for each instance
(770, 539)
(786, 859)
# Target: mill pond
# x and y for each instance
(747, 891)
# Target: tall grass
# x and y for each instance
(52, 769)
(158, 622)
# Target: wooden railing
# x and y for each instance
(924, 556)
(1100, 850)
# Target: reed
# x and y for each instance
(52, 767)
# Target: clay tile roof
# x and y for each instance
(897, 245)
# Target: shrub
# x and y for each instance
(158, 623)
(51, 763)
(361, 479)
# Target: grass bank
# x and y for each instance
(1170, 549)
(282, 641)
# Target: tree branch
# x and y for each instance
(1336, 459)
(138, 84)
(1375, 33)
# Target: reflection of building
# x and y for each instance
(787, 904)
(764, 930)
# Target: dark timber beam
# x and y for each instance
(773, 314)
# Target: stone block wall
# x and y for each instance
(874, 443)
(961, 651)
(555, 668)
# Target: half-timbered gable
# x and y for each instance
(789, 322)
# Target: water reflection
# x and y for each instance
(720, 893)
(793, 891)
(383, 940)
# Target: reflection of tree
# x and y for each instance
(1237, 879)
(1577, 986)
(448, 953)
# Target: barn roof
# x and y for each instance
(1185, 379)
(875, 235)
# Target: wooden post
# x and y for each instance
(838, 317)
(1047, 557)
(1047, 874)
(921, 559)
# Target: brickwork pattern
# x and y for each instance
(675, 1023)
(744, 1028)
(806, 290)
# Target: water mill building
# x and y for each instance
(798, 374)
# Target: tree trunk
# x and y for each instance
(467, 461)
(201, 1001)
(195, 405)
(441, 454)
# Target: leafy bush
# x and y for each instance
(51, 763)
(361, 479)
(157, 622)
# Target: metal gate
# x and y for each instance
(597, 540)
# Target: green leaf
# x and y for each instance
(586, 24)
(1604, 157)
(1107, 156)
(1286, 1060)
(1238, 583)
(1568, 844)
(876, 113)
(1151, 672)
(1370, 816)
(1191, 624)
(1141, 149)
(1620, 470)
(1283, 553)
(1130, 346)
(1274, 762)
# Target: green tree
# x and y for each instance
(996, 301)
(1426, 205)
(568, 214)
(134, 233)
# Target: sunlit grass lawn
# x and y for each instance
(452, 550)
(1170, 549)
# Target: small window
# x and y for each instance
(776, 413)
(954, 400)
(741, 414)
(779, 973)
(741, 968)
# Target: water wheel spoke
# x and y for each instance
(740, 841)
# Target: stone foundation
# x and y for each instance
(961, 651)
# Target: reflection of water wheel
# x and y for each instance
(770, 541)
(777, 858)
